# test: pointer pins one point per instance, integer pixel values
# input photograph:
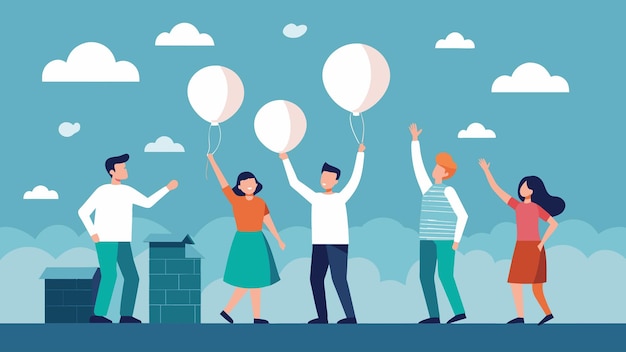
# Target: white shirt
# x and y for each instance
(113, 205)
(329, 216)
(425, 183)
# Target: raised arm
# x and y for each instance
(423, 180)
(461, 214)
(298, 186)
(218, 172)
(354, 180)
(267, 220)
(492, 182)
(148, 202)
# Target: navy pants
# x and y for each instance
(335, 257)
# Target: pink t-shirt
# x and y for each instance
(527, 216)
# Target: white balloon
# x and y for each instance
(280, 125)
(356, 76)
(215, 93)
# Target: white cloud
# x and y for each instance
(41, 192)
(530, 77)
(184, 34)
(293, 30)
(90, 62)
(455, 40)
(164, 144)
(476, 130)
(68, 129)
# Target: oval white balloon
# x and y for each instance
(280, 125)
(356, 76)
(215, 93)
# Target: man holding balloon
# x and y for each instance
(330, 233)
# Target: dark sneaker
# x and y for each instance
(516, 321)
(546, 319)
(261, 321)
(318, 321)
(456, 318)
(99, 319)
(430, 321)
(129, 320)
(347, 321)
(227, 317)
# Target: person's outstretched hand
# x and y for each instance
(282, 245)
(361, 148)
(414, 131)
(210, 157)
(172, 185)
(283, 156)
(484, 164)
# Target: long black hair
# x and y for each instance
(244, 176)
(553, 205)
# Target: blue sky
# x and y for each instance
(572, 140)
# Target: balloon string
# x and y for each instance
(362, 131)
(219, 141)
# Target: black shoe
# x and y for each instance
(347, 321)
(456, 318)
(129, 319)
(261, 321)
(318, 321)
(430, 321)
(546, 319)
(99, 319)
(227, 317)
(516, 321)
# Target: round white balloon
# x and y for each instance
(280, 125)
(215, 93)
(356, 76)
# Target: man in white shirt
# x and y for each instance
(330, 234)
(112, 234)
(442, 221)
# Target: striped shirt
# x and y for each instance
(443, 216)
(437, 219)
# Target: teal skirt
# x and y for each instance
(250, 262)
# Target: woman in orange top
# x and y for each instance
(250, 264)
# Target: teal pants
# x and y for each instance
(431, 254)
(110, 255)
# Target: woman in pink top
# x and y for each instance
(528, 265)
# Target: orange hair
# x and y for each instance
(444, 160)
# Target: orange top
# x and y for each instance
(248, 213)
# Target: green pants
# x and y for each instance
(441, 252)
(110, 255)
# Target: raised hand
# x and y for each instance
(361, 148)
(414, 131)
(172, 185)
(283, 156)
(484, 164)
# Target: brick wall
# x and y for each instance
(69, 300)
(174, 286)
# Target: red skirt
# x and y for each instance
(528, 265)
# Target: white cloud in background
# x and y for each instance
(90, 62)
(476, 130)
(294, 31)
(164, 144)
(530, 77)
(68, 129)
(41, 192)
(455, 40)
(184, 34)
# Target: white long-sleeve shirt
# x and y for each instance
(450, 194)
(113, 205)
(329, 216)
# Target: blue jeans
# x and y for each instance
(335, 257)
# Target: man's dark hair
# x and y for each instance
(330, 168)
(110, 163)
